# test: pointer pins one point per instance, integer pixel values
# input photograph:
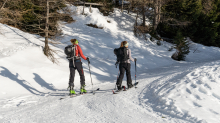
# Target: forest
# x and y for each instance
(171, 20)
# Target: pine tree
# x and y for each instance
(181, 46)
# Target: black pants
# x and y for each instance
(78, 66)
(124, 67)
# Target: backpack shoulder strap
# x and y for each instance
(74, 49)
(128, 52)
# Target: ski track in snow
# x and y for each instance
(117, 109)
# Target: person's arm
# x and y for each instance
(81, 53)
(130, 55)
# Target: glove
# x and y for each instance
(88, 60)
(116, 64)
(135, 59)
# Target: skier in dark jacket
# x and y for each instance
(125, 66)
(77, 66)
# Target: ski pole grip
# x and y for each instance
(88, 60)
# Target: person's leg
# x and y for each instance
(128, 74)
(72, 74)
(81, 73)
(71, 78)
(121, 76)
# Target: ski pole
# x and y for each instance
(135, 72)
(117, 79)
(91, 77)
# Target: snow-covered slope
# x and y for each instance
(168, 91)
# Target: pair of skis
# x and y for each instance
(80, 94)
(73, 95)
(93, 92)
(124, 88)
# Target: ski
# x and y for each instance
(71, 96)
(117, 91)
(75, 95)
(135, 84)
(124, 88)
(93, 92)
(79, 94)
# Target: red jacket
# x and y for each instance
(79, 52)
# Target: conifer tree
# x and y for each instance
(181, 46)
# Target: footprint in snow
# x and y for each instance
(214, 112)
(199, 82)
(193, 85)
(197, 97)
(216, 96)
(187, 90)
(196, 104)
(202, 90)
(207, 86)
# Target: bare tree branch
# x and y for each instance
(4, 4)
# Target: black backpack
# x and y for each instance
(121, 54)
(70, 51)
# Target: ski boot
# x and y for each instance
(130, 86)
(72, 92)
(83, 90)
(119, 88)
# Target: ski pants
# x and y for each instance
(79, 68)
(124, 67)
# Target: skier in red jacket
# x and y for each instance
(77, 66)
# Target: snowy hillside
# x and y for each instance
(168, 91)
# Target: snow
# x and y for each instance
(168, 91)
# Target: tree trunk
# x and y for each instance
(136, 19)
(132, 5)
(159, 11)
(129, 7)
(83, 7)
(90, 9)
(135, 26)
(46, 48)
(143, 12)
(122, 5)
(156, 14)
